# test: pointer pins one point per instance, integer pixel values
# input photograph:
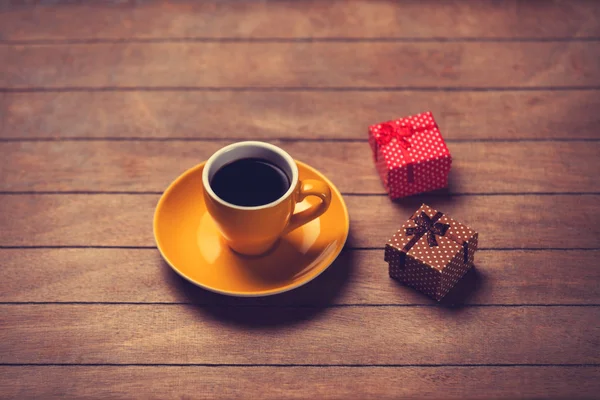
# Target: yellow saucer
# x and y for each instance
(188, 240)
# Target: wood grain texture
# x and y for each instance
(292, 19)
(306, 115)
(524, 323)
(317, 65)
(185, 334)
(315, 382)
(357, 277)
(527, 167)
(126, 220)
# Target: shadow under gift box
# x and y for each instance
(410, 155)
(431, 252)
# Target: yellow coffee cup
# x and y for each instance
(254, 230)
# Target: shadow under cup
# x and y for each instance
(251, 230)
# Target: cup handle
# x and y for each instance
(310, 187)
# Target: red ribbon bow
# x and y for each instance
(387, 132)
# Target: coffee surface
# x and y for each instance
(250, 182)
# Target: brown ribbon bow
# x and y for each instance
(430, 227)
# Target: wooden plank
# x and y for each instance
(525, 167)
(287, 19)
(298, 382)
(291, 64)
(126, 220)
(185, 334)
(357, 277)
(268, 115)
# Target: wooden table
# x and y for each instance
(102, 106)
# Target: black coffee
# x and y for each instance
(250, 182)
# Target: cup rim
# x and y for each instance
(264, 145)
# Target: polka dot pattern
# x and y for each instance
(431, 270)
(428, 155)
(418, 275)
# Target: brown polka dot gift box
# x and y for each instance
(410, 155)
(431, 252)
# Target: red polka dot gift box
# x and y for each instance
(431, 252)
(410, 155)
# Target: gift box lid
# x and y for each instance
(432, 248)
(414, 138)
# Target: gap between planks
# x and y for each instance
(346, 248)
(462, 88)
(285, 306)
(183, 39)
(281, 139)
(211, 365)
(153, 193)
